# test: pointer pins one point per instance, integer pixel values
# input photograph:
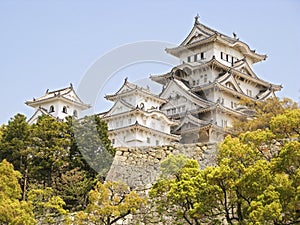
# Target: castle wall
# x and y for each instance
(139, 167)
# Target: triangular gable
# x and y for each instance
(127, 86)
(39, 112)
(120, 106)
(265, 95)
(230, 82)
(195, 35)
(176, 87)
(71, 95)
(189, 121)
(245, 68)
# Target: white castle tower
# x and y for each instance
(203, 92)
(135, 118)
(58, 104)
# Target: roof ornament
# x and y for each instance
(125, 80)
(71, 85)
(47, 91)
(197, 19)
(234, 35)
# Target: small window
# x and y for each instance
(75, 114)
(157, 142)
(148, 140)
(232, 105)
(221, 55)
(249, 92)
(189, 58)
(129, 121)
(51, 109)
(168, 111)
(205, 78)
(65, 109)
(194, 82)
(195, 58)
(227, 57)
(224, 123)
(202, 55)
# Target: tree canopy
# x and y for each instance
(256, 179)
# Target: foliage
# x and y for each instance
(256, 180)
(109, 203)
(12, 210)
(46, 206)
(15, 147)
(264, 111)
(47, 156)
(91, 145)
(73, 186)
(51, 143)
(287, 124)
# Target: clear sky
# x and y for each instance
(49, 44)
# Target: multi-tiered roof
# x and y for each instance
(215, 72)
(135, 118)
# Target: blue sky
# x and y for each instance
(49, 44)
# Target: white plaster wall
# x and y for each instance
(136, 139)
(58, 108)
(227, 50)
(207, 48)
(201, 77)
(250, 86)
(136, 100)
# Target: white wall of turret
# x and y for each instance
(141, 101)
(140, 138)
(155, 121)
(60, 109)
(197, 56)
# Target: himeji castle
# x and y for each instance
(199, 101)
(200, 96)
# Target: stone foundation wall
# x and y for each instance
(139, 167)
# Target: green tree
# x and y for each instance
(183, 196)
(91, 147)
(47, 207)
(12, 210)
(263, 112)
(15, 147)
(109, 203)
(52, 148)
(73, 186)
(287, 124)
(245, 187)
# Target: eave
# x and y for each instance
(140, 127)
(114, 97)
(37, 103)
(140, 112)
(240, 46)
